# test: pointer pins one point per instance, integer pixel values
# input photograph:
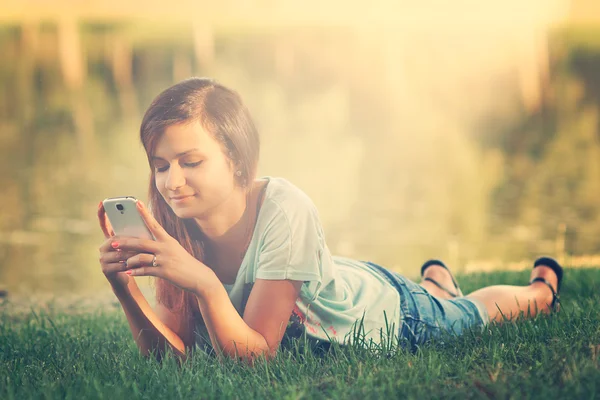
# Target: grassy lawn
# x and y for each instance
(53, 354)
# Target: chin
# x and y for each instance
(182, 212)
(188, 212)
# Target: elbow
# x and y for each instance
(251, 357)
(266, 355)
(243, 352)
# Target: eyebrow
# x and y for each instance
(177, 155)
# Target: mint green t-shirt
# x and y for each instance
(288, 243)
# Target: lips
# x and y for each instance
(181, 197)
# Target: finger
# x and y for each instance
(142, 271)
(115, 256)
(102, 220)
(155, 228)
(139, 261)
(137, 245)
(141, 265)
(107, 245)
(114, 267)
(112, 244)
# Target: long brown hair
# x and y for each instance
(221, 112)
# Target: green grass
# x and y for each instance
(53, 354)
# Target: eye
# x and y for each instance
(162, 169)
(195, 164)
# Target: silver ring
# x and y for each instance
(154, 264)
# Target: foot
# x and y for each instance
(442, 276)
(549, 275)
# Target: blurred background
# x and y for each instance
(466, 130)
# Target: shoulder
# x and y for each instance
(288, 211)
(288, 198)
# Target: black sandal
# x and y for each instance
(445, 289)
(554, 266)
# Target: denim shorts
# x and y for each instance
(424, 317)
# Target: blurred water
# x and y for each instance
(381, 140)
(73, 100)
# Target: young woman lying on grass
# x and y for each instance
(244, 260)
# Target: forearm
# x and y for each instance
(229, 333)
(149, 332)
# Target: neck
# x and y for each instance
(223, 229)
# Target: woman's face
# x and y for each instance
(191, 172)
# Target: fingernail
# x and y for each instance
(99, 205)
(140, 204)
(114, 245)
(128, 272)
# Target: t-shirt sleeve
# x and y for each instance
(292, 245)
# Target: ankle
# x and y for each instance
(544, 294)
(546, 273)
(436, 272)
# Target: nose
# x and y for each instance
(175, 179)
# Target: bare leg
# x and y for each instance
(503, 301)
(440, 275)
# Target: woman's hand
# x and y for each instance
(111, 260)
(173, 262)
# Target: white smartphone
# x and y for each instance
(125, 217)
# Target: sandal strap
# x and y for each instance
(554, 266)
(430, 263)
(441, 264)
(445, 289)
(555, 295)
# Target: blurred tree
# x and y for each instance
(553, 158)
